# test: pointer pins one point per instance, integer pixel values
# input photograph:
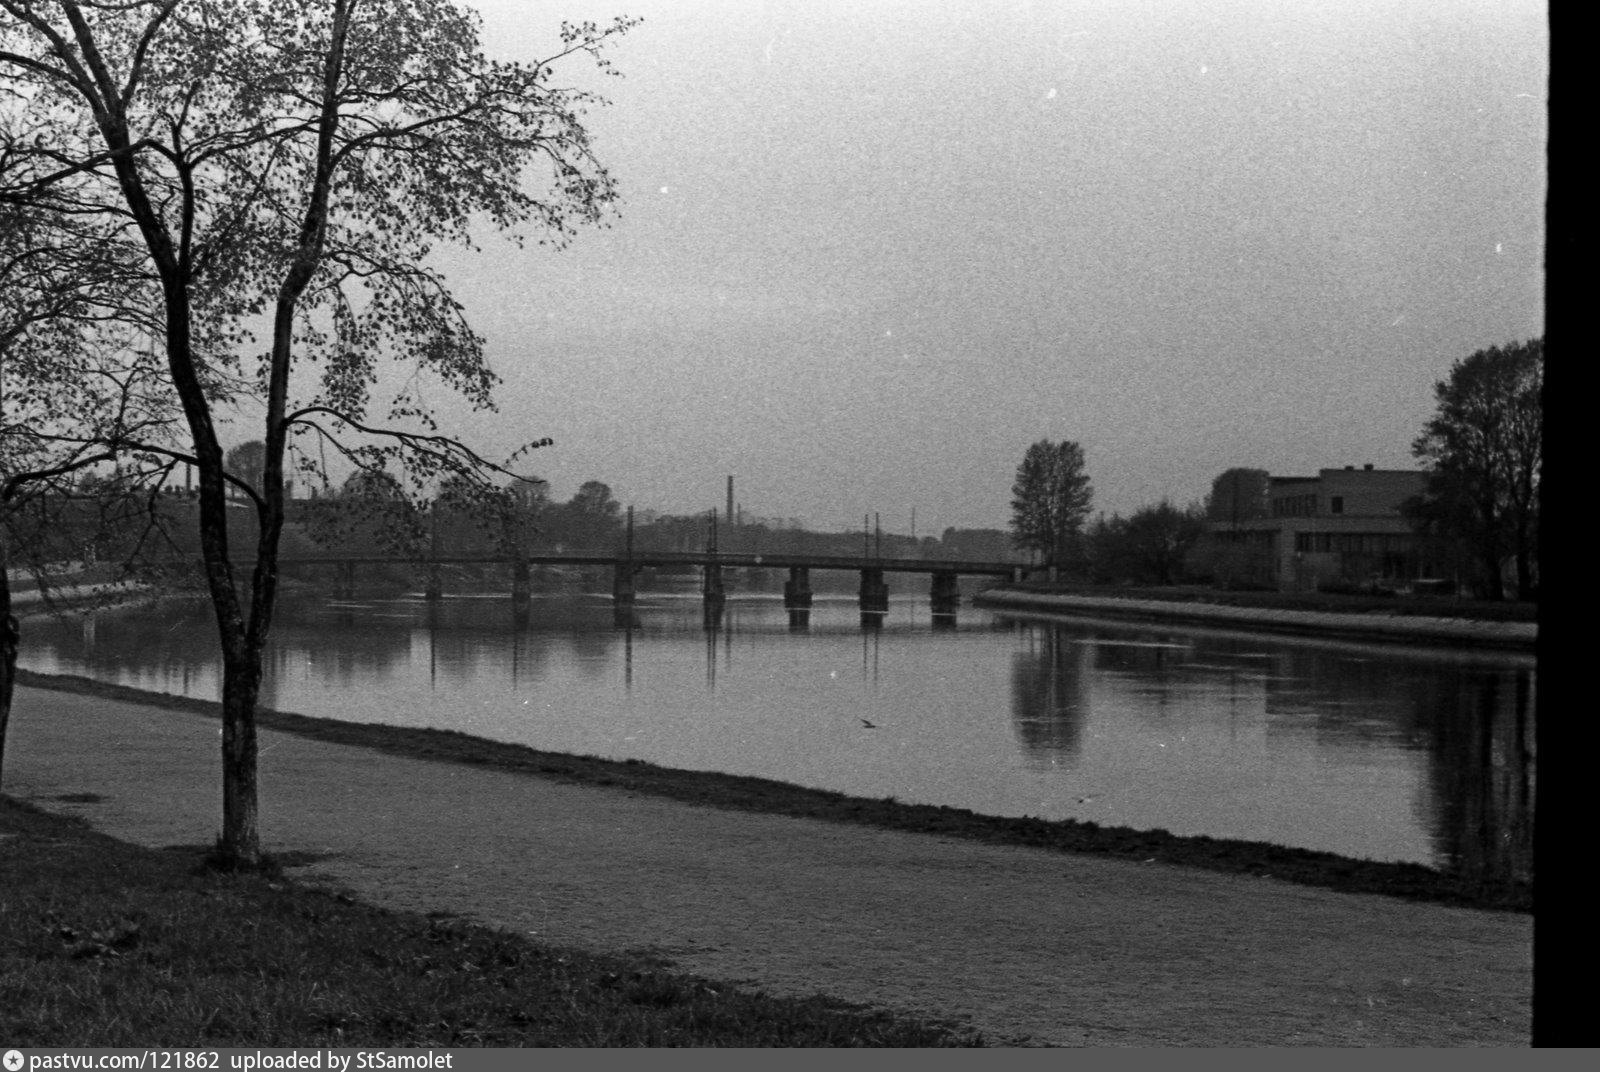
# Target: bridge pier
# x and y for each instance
(435, 589)
(874, 592)
(946, 593)
(711, 586)
(622, 584)
(800, 620)
(797, 589)
(520, 583)
(347, 580)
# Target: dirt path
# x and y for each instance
(1023, 944)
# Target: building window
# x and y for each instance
(1336, 504)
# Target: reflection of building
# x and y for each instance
(1342, 527)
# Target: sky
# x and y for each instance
(868, 252)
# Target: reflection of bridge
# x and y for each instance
(944, 593)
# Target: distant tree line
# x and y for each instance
(1050, 503)
(1484, 447)
(370, 512)
(1478, 516)
(1153, 545)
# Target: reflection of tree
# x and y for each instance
(1049, 694)
(1483, 772)
(1476, 723)
(593, 648)
(1365, 698)
(109, 641)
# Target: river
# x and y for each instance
(1385, 752)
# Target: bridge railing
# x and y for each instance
(736, 560)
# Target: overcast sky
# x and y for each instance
(870, 251)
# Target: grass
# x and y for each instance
(107, 944)
(738, 792)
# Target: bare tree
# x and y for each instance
(295, 163)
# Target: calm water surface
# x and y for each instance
(1374, 751)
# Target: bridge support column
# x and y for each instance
(622, 586)
(711, 586)
(521, 586)
(435, 589)
(797, 589)
(347, 580)
(715, 597)
(946, 594)
(874, 592)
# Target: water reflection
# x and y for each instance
(1480, 731)
(1049, 696)
(1361, 714)
(1364, 751)
(626, 619)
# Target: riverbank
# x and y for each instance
(739, 793)
(35, 600)
(1018, 943)
(114, 945)
(1502, 627)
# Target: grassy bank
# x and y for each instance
(109, 944)
(757, 794)
(1430, 606)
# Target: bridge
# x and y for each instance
(944, 593)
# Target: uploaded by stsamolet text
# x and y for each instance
(240, 1060)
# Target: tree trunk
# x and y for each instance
(1524, 562)
(1491, 540)
(8, 674)
(1494, 585)
(9, 634)
(240, 845)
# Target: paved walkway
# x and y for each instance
(1376, 625)
(1023, 944)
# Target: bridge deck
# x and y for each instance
(682, 558)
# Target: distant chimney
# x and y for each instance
(730, 499)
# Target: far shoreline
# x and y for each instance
(737, 792)
(1367, 620)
